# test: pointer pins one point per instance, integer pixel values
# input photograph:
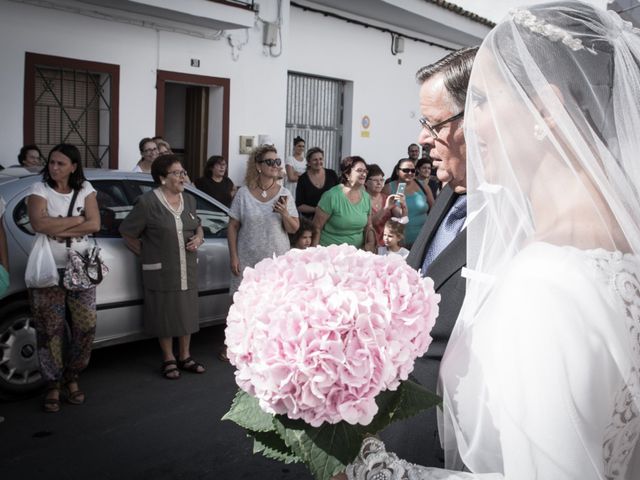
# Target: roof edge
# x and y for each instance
(462, 12)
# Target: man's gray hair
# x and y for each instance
(455, 69)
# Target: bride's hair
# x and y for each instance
(568, 43)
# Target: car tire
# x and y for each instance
(19, 367)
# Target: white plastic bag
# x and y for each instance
(41, 268)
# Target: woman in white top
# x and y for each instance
(261, 217)
(541, 375)
(295, 165)
(149, 152)
(48, 205)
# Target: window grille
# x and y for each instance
(315, 113)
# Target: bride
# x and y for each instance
(541, 379)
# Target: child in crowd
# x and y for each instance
(302, 238)
(392, 236)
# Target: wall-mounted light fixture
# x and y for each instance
(397, 44)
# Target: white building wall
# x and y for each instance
(380, 87)
(383, 90)
(258, 82)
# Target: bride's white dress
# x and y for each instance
(541, 387)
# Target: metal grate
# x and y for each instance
(73, 106)
(315, 113)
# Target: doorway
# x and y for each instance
(192, 114)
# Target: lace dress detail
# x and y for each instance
(619, 272)
(375, 463)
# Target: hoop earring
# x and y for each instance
(539, 133)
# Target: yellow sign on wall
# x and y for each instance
(365, 123)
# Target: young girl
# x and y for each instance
(392, 237)
(302, 238)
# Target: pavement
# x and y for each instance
(136, 424)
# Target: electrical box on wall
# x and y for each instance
(270, 32)
(246, 144)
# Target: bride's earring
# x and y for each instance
(539, 133)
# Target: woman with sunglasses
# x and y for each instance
(419, 199)
(164, 230)
(262, 215)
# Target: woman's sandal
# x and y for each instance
(222, 355)
(51, 405)
(190, 365)
(169, 370)
(76, 397)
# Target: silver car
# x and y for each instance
(119, 296)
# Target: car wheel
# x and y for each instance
(19, 368)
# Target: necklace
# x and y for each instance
(176, 211)
(264, 190)
(317, 178)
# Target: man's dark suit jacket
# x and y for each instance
(444, 270)
(416, 439)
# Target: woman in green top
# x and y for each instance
(343, 213)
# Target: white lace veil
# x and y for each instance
(552, 127)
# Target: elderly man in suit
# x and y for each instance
(439, 251)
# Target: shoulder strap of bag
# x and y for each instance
(73, 202)
(421, 187)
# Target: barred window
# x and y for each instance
(72, 101)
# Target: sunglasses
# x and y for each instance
(407, 170)
(276, 162)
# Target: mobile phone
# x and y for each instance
(283, 199)
(400, 191)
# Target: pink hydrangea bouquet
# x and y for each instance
(323, 341)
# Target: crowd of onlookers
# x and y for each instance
(281, 205)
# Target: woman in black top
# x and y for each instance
(313, 183)
(215, 181)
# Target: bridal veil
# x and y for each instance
(541, 375)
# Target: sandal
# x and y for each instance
(75, 398)
(222, 355)
(51, 405)
(169, 370)
(190, 365)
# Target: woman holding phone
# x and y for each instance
(419, 199)
(262, 215)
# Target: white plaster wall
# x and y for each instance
(258, 82)
(381, 88)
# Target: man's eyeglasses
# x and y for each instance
(433, 129)
(178, 173)
(271, 162)
(407, 170)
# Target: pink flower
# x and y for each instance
(317, 334)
